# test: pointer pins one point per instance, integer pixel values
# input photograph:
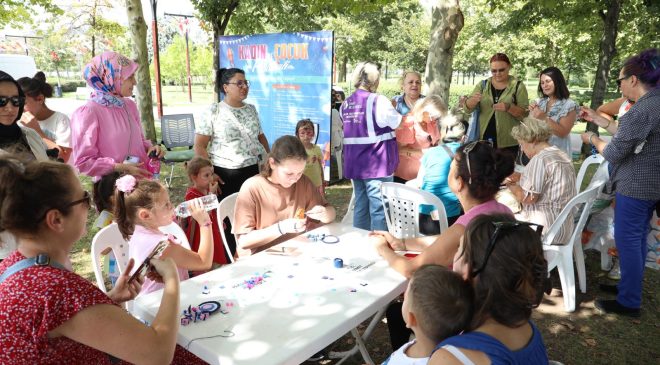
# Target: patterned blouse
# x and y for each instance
(233, 132)
(551, 175)
(559, 110)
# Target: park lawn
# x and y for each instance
(582, 337)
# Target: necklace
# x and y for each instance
(497, 94)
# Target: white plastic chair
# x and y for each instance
(401, 204)
(226, 210)
(176, 231)
(589, 161)
(108, 237)
(561, 256)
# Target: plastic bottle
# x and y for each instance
(113, 273)
(153, 165)
(209, 202)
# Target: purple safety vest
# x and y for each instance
(369, 150)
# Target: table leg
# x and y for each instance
(359, 340)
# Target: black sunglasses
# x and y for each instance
(618, 81)
(17, 101)
(500, 226)
(87, 199)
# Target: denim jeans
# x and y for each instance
(368, 212)
(631, 227)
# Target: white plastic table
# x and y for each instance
(301, 305)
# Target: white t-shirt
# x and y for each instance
(58, 129)
(399, 357)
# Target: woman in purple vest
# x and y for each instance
(370, 151)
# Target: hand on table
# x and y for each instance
(125, 290)
(391, 242)
(292, 225)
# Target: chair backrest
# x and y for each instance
(175, 230)
(226, 210)
(596, 159)
(586, 198)
(108, 237)
(401, 204)
(601, 176)
(178, 130)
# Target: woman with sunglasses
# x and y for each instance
(502, 101)
(106, 133)
(547, 182)
(15, 138)
(417, 133)
(633, 156)
(503, 259)
(555, 108)
(475, 176)
(49, 313)
(238, 145)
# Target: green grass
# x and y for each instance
(582, 337)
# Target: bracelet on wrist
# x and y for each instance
(590, 138)
(207, 224)
(608, 124)
(278, 228)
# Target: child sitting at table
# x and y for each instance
(314, 166)
(141, 206)
(271, 207)
(437, 305)
(200, 172)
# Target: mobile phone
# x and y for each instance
(131, 159)
(144, 266)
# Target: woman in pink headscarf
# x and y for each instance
(106, 133)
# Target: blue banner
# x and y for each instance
(290, 78)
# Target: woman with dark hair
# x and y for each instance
(237, 142)
(272, 206)
(475, 175)
(53, 127)
(106, 133)
(14, 138)
(633, 156)
(502, 101)
(504, 261)
(555, 108)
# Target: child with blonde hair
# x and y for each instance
(141, 206)
(200, 173)
(314, 167)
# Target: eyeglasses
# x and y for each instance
(241, 83)
(618, 81)
(497, 70)
(500, 226)
(467, 149)
(87, 199)
(17, 101)
(306, 131)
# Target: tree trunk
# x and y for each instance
(342, 70)
(607, 52)
(447, 23)
(138, 29)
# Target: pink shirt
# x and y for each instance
(102, 136)
(140, 245)
(489, 207)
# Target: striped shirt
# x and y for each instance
(550, 175)
(634, 152)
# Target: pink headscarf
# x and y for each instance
(105, 73)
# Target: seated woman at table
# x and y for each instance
(547, 182)
(50, 315)
(475, 176)
(271, 206)
(502, 258)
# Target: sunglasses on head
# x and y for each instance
(467, 149)
(499, 227)
(17, 101)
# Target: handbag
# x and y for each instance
(474, 130)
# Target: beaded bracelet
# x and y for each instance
(278, 228)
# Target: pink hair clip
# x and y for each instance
(126, 184)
